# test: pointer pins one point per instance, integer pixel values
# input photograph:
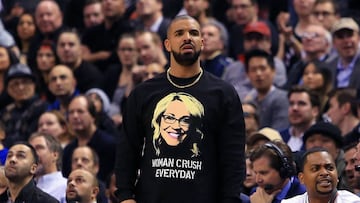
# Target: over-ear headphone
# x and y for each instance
(286, 169)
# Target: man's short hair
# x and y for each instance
(314, 98)
(280, 157)
(311, 151)
(332, 2)
(32, 149)
(345, 95)
(258, 53)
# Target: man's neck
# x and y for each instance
(85, 136)
(181, 71)
(110, 21)
(15, 188)
(298, 130)
(348, 124)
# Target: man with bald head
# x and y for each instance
(62, 84)
(49, 21)
(82, 187)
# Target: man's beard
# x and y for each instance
(186, 59)
(77, 198)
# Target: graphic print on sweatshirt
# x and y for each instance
(177, 130)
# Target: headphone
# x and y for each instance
(286, 169)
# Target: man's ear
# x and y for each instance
(33, 169)
(167, 45)
(95, 191)
(301, 177)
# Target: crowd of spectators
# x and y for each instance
(67, 68)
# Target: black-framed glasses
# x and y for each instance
(183, 121)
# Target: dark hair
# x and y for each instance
(323, 69)
(90, 104)
(345, 95)
(276, 161)
(90, 2)
(12, 55)
(314, 98)
(332, 2)
(311, 151)
(32, 149)
(258, 53)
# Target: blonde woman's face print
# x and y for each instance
(175, 122)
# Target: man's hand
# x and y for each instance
(262, 196)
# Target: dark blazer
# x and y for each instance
(30, 193)
(354, 78)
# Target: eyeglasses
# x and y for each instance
(309, 35)
(322, 13)
(183, 121)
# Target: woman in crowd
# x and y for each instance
(7, 58)
(317, 77)
(120, 79)
(54, 123)
(25, 31)
(45, 59)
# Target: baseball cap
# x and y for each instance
(18, 70)
(266, 133)
(325, 129)
(345, 23)
(258, 27)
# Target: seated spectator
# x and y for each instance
(345, 68)
(20, 118)
(22, 186)
(349, 173)
(275, 172)
(48, 174)
(250, 178)
(119, 78)
(25, 32)
(68, 49)
(150, 48)
(320, 177)
(8, 58)
(62, 84)
(54, 123)
(262, 136)
(82, 187)
(93, 13)
(81, 116)
(317, 77)
(327, 135)
(251, 118)
(317, 46)
(342, 113)
(46, 59)
(326, 12)
(152, 70)
(102, 107)
(271, 101)
(86, 158)
(303, 112)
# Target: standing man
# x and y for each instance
(20, 167)
(320, 177)
(193, 129)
